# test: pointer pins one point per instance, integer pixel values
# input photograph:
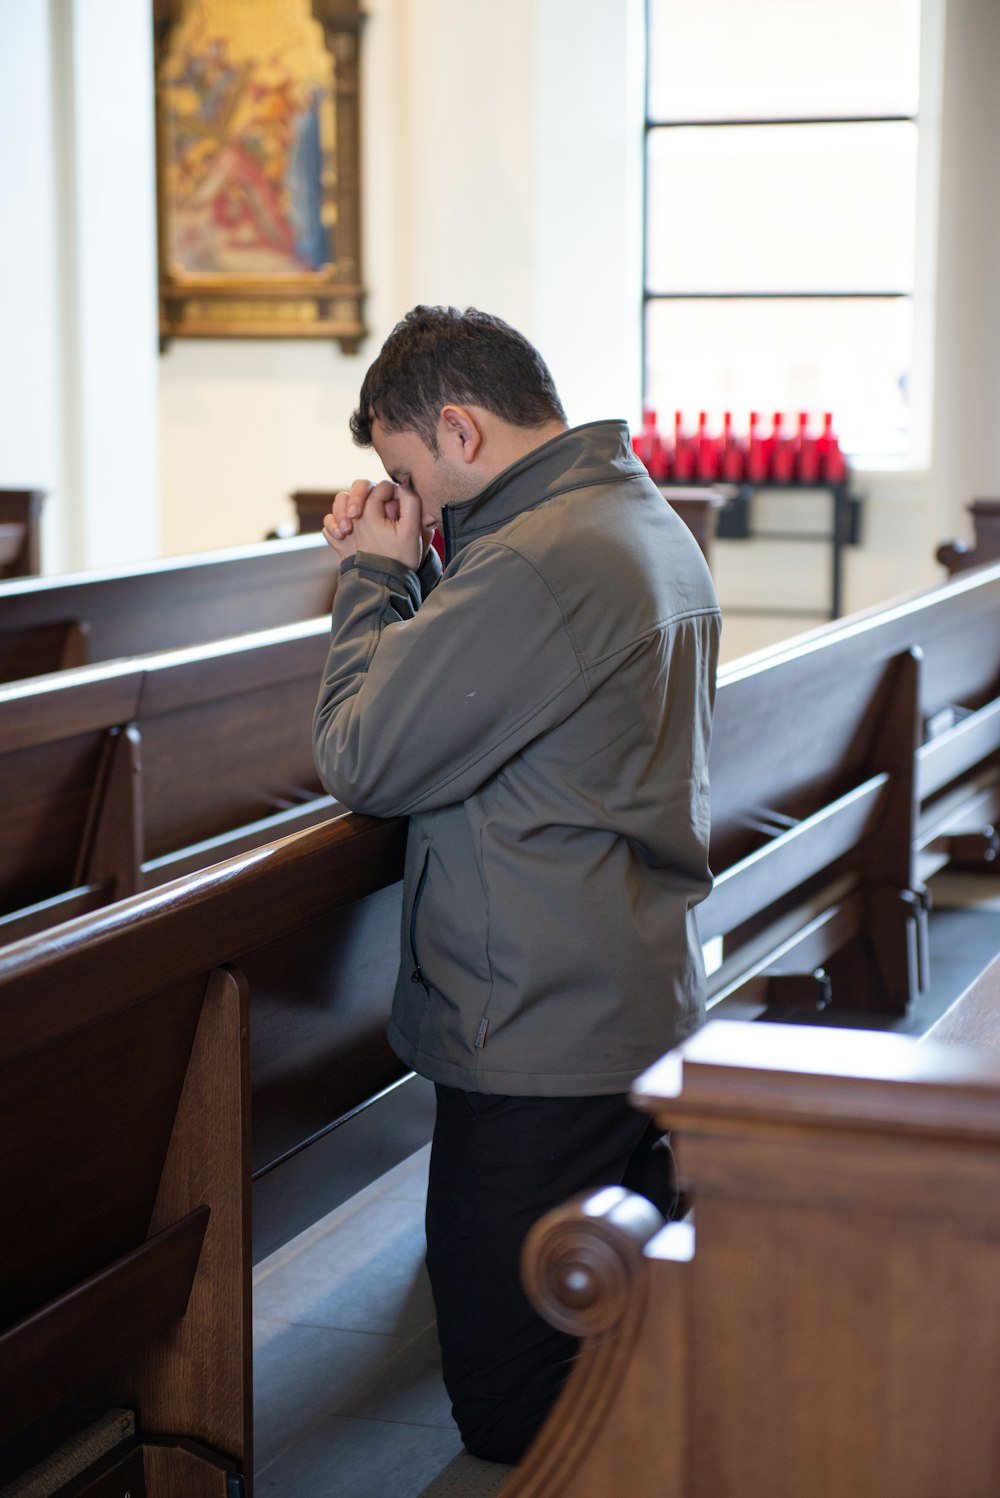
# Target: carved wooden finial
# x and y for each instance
(579, 1261)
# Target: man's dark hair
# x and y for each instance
(437, 355)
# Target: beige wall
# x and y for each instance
(967, 409)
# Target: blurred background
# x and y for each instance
(696, 205)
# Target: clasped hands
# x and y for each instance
(384, 518)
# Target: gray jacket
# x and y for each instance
(543, 717)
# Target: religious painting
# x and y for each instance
(258, 169)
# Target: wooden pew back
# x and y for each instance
(812, 829)
(20, 532)
(121, 776)
(857, 752)
(957, 556)
(47, 624)
(956, 629)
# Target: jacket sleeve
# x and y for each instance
(418, 709)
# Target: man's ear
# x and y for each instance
(461, 432)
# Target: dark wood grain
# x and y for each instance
(20, 532)
(216, 737)
(313, 922)
(97, 1324)
(911, 691)
(200, 1379)
(38, 649)
(124, 1183)
(958, 557)
(163, 605)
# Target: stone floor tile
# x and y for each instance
(367, 1275)
(407, 1388)
(343, 1458)
(303, 1373)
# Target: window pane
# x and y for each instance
(848, 357)
(782, 208)
(729, 59)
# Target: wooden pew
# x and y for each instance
(117, 777)
(47, 624)
(124, 1177)
(813, 823)
(120, 776)
(312, 922)
(308, 929)
(835, 805)
(808, 844)
(828, 1323)
(311, 506)
(20, 532)
(270, 912)
(956, 629)
(957, 556)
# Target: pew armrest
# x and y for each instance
(588, 1268)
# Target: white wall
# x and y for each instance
(78, 397)
(466, 160)
(967, 413)
(243, 422)
(501, 168)
(108, 237)
(29, 308)
(587, 316)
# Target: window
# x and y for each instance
(781, 212)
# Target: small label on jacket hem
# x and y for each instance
(484, 1025)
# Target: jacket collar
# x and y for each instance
(597, 452)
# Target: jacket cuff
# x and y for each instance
(398, 578)
(429, 572)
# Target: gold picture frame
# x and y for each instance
(258, 169)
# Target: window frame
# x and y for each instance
(919, 296)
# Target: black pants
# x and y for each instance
(497, 1165)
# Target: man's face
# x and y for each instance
(437, 479)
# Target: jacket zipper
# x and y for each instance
(417, 975)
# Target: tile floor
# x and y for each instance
(348, 1395)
